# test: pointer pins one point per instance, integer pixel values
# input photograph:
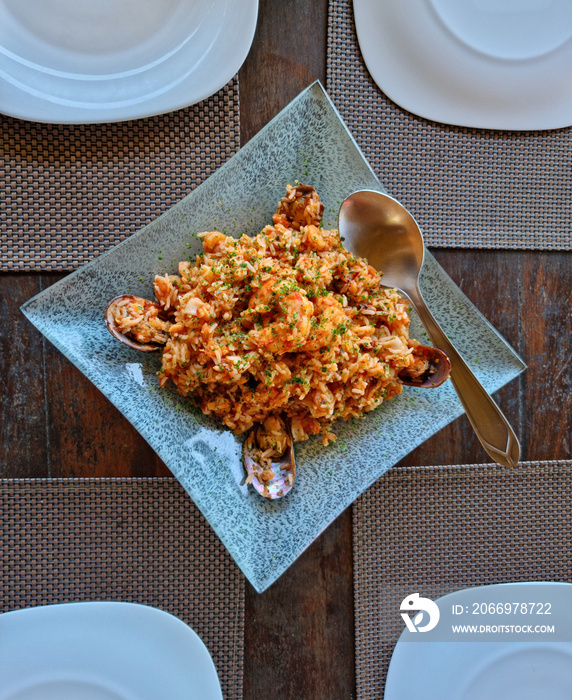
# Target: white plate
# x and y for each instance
(524, 668)
(492, 64)
(85, 61)
(102, 651)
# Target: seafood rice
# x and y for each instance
(285, 324)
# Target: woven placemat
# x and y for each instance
(132, 540)
(70, 192)
(466, 187)
(434, 530)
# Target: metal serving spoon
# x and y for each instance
(379, 228)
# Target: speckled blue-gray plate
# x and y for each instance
(307, 141)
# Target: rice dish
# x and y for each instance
(282, 325)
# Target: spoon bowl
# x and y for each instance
(377, 227)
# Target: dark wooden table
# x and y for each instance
(300, 633)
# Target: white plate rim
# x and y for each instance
(234, 37)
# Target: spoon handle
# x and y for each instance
(488, 421)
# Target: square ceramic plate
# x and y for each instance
(307, 141)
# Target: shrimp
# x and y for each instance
(329, 325)
(167, 291)
(215, 241)
(313, 239)
(286, 312)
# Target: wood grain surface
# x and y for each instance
(299, 641)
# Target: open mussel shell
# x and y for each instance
(279, 476)
(116, 333)
(438, 368)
